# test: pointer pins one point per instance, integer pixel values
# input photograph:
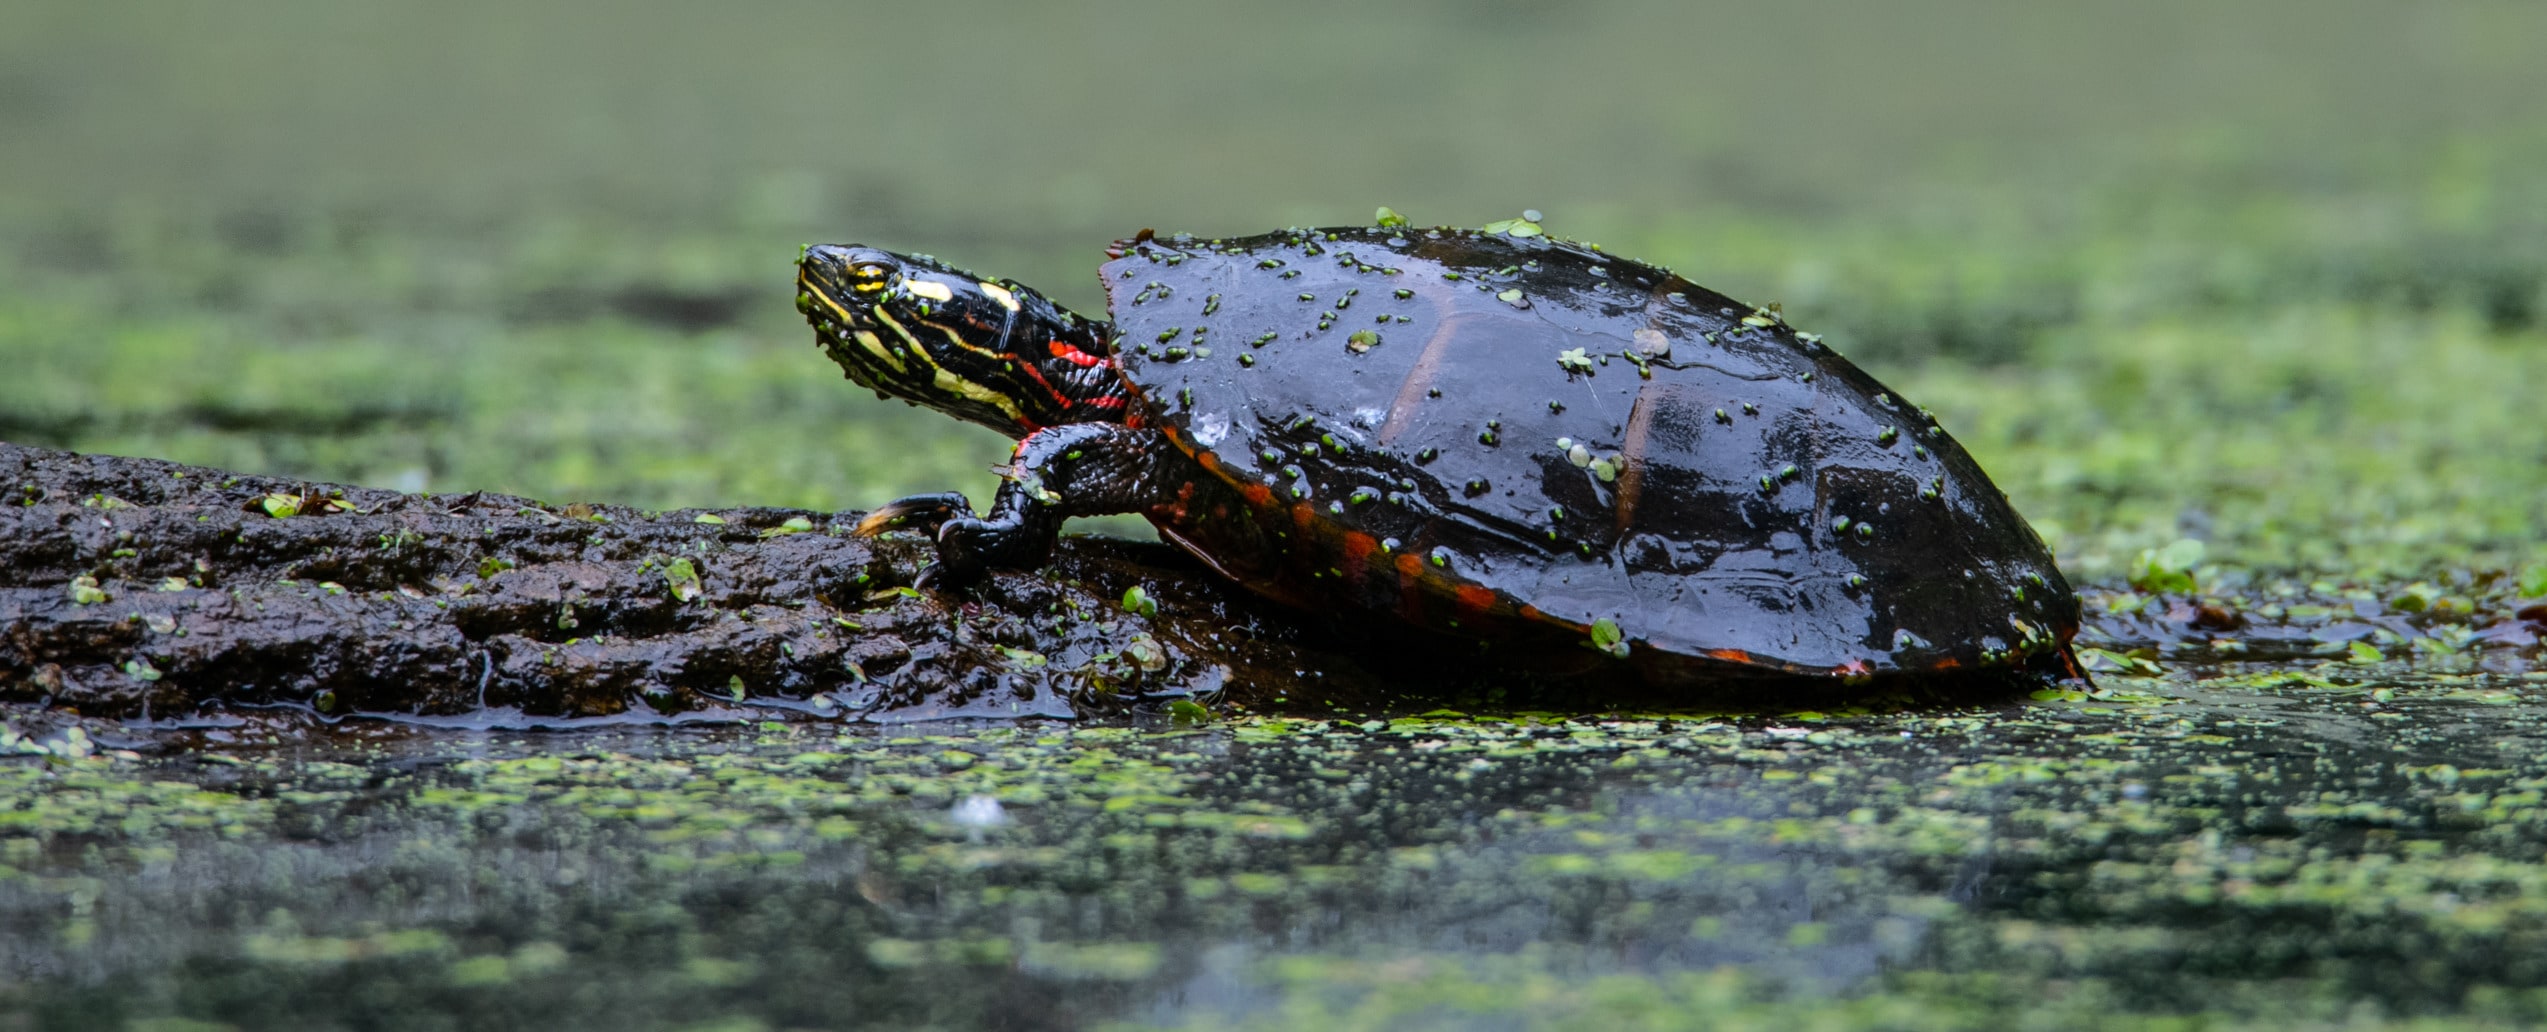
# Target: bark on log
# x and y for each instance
(142, 589)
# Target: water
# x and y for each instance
(2265, 277)
(2245, 846)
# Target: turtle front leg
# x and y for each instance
(918, 512)
(1075, 469)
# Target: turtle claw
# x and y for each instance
(966, 550)
(932, 579)
(924, 513)
(962, 544)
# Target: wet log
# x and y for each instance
(139, 589)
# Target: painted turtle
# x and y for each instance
(1489, 433)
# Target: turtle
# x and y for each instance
(1495, 434)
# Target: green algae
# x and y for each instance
(2258, 831)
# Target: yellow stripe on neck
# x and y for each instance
(951, 383)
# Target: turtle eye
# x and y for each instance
(869, 277)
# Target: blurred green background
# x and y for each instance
(2273, 275)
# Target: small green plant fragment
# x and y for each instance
(1525, 226)
(280, 505)
(1187, 712)
(1136, 599)
(2142, 662)
(1607, 638)
(2533, 582)
(708, 518)
(2168, 570)
(1388, 218)
(85, 592)
(2364, 652)
(1146, 653)
(683, 580)
(794, 525)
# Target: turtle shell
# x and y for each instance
(1475, 429)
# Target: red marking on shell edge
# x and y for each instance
(1853, 668)
(1410, 567)
(1209, 461)
(1358, 547)
(1410, 587)
(1067, 352)
(1474, 599)
(1302, 515)
(1947, 663)
(1531, 612)
(1731, 655)
(1257, 494)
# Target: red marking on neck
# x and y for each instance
(1731, 655)
(1059, 398)
(1070, 353)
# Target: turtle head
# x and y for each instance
(912, 327)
